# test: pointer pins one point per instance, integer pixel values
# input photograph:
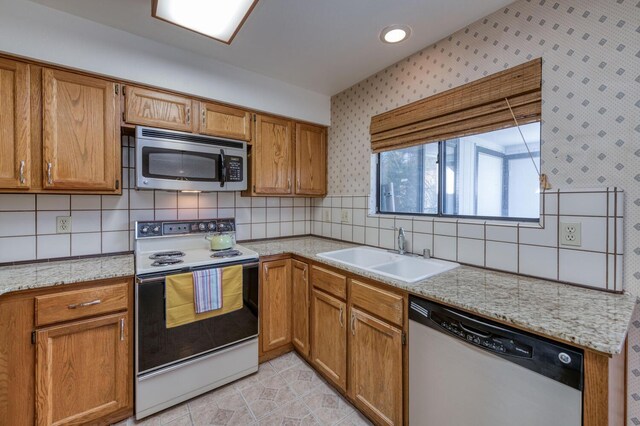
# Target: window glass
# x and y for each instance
(493, 174)
(409, 180)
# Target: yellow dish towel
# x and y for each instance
(180, 305)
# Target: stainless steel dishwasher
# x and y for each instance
(465, 370)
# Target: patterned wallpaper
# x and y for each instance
(591, 105)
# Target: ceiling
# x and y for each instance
(325, 46)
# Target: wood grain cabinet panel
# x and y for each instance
(76, 304)
(224, 121)
(82, 370)
(329, 281)
(157, 109)
(15, 132)
(276, 304)
(81, 132)
(272, 156)
(311, 160)
(300, 306)
(375, 368)
(385, 304)
(329, 337)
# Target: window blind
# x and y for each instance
(473, 108)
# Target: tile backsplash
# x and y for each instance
(525, 248)
(105, 223)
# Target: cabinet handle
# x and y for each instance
(298, 183)
(353, 323)
(84, 304)
(289, 184)
(22, 179)
(188, 115)
(341, 319)
(204, 114)
(121, 329)
(49, 178)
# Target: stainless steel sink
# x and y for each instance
(400, 267)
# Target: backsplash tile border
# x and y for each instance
(446, 240)
(36, 239)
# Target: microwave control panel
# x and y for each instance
(234, 169)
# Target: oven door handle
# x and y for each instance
(161, 278)
(223, 169)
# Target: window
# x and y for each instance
(490, 175)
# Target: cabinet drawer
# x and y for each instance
(384, 304)
(75, 304)
(330, 282)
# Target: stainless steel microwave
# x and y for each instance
(170, 160)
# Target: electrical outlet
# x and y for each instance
(63, 224)
(571, 234)
(326, 215)
(345, 216)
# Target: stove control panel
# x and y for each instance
(150, 229)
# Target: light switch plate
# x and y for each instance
(345, 216)
(570, 234)
(63, 224)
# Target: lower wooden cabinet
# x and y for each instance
(375, 367)
(300, 306)
(82, 370)
(58, 369)
(275, 287)
(329, 337)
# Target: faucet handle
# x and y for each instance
(426, 253)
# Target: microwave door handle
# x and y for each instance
(223, 169)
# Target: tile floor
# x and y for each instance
(284, 391)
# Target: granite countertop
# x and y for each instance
(46, 274)
(588, 318)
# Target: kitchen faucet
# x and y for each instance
(401, 241)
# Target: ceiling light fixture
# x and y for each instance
(395, 33)
(218, 19)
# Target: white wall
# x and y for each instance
(35, 31)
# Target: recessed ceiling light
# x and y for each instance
(218, 19)
(395, 33)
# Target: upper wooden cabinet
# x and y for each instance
(158, 109)
(311, 160)
(15, 136)
(80, 132)
(329, 337)
(272, 156)
(275, 289)
(224, 121)
(375, 368)
(300, 306)
(82, 371)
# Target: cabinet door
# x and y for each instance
(15, 135)
(157, 109)
(300, 302)
(329, 337)
(272, 156)
(375, 368)
(82, 370)
(224, 121)
(276, 304)
(80, 132)
(311, 160)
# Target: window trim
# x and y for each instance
(442, 194)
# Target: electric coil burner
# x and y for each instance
(226, 253)
(167, 261)
(167, 254)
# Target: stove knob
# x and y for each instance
(201, 226)
(156, 229)
(211, 226)
(144, 229)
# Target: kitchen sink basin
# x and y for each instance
(400, 267)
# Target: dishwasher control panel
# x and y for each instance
(487, 340)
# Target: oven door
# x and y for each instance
(159, 346)
(191, 163)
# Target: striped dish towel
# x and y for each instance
(207, 290)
